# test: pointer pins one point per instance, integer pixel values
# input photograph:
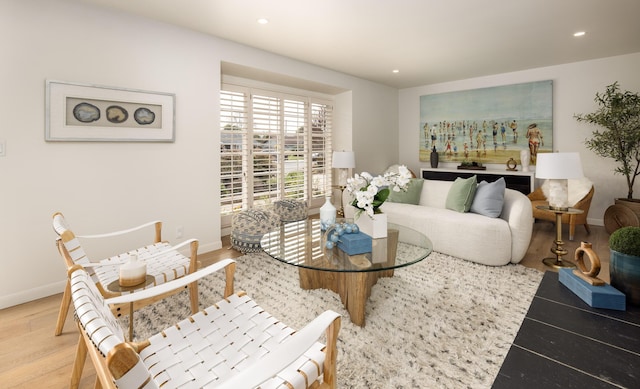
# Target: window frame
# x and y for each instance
(311, 100)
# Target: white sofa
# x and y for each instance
(474, 237)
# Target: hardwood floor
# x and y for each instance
(544, 234)
(32, 357)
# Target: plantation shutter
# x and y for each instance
(233, 151)
(321, 153)
(266, 146)
(273, 146)
(296, 149)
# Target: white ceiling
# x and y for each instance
(428, 41)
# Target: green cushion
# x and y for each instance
(460, 195)
(412, 194)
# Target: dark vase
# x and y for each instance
(434, 158)
(625, 275)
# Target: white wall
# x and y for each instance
(375, 129)
(574, 88)
(110, 186)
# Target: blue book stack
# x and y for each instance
(605, 296)
(352, 244)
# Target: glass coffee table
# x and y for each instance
(302, 244)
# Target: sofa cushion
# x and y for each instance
(434, 193)
(489, 198)
(461, 193)
(474, 237)
(410, 196)
(468, 235)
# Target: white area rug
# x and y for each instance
(441, 323)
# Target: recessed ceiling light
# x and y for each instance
(263, 21)
(579, 33)
(396, 71)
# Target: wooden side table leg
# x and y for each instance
(559, 249)
(131, 321)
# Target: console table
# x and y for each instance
(521, 181)
(564, 343)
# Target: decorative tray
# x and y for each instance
(472, 167)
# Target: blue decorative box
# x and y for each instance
(605, 296)
(353, 244)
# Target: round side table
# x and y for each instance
(115, 287)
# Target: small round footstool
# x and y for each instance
(290, 210)
(248, 227)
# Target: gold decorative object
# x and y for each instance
(511, 165)
(341, 210)
(471, 166)
(582, 272)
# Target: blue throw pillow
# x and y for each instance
(489, 198)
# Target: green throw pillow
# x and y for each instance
(460, 195)
(411, 196)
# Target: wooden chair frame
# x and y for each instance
(537, 197)
(123, 364)
(76, 256)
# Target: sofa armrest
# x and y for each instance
(517, 212)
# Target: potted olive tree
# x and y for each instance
(619, 116)
(624, 267)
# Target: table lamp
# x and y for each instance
(558, 168)
(343, 161)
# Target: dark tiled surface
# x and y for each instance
(541, 373)
(564, 343)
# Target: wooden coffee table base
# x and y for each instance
(354, 288)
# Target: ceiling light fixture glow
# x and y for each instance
(263, 21)
(396, 71)
(579, 33)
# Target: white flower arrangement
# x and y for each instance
(371, 192)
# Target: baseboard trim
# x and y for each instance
(205, 248)
(29, 295)
(595, 222)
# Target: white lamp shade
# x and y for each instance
(343, 160)
(558, 166)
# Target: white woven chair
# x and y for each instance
(233, 344)
(164, 263)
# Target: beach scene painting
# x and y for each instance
(488, 125)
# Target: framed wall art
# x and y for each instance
(85, 113)
(488, 125)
